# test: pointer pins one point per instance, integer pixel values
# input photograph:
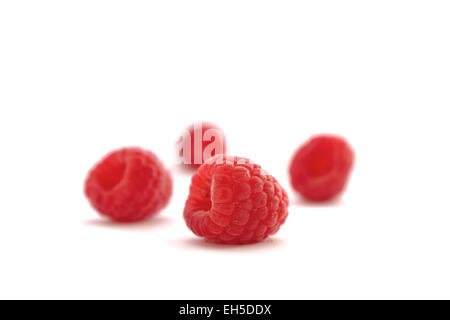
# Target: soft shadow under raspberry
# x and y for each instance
(203, 244)
(152, 222)
(298, 201)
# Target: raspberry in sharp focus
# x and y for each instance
(129, 185)
(204, 140)
(233, 201)
(320, 168)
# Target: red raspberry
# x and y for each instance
(128, 185)
(233, 201)
(320, 168)
(204, 135)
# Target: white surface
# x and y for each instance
(80, 78)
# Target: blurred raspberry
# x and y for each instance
(234, 202)
(202, 140)
(321, 167)
(128, 185)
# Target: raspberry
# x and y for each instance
(320, 168)
(204, 140)
(128, 185)
(233, 201)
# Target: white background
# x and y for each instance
(81, 78)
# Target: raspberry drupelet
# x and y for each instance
(320, 168)
(129, 185)
(233, 201)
